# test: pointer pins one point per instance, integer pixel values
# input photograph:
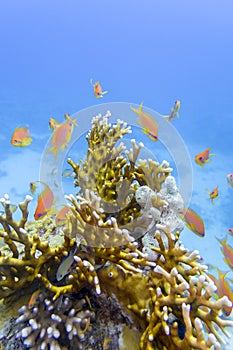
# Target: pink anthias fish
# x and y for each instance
(193, 221)
(224, 289)
(98, 92)
(61, 216)
(44, 203)
(33, 298)
(227, 251)
(174, 112)
(61, 136)
(148, 124)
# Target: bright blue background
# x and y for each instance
(152, 51)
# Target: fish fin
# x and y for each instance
(134, 109)
(220, 241)
(146, 132)
(152, 137)
(104, 92)
(140, 107)
(54, 150)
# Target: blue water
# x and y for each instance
(155, 52)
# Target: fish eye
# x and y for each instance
(110, 274)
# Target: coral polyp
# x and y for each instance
(125, 280)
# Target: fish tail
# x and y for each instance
(220, 241)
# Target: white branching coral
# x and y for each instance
(54, 325)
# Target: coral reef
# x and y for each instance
(49, 320)
(126, 280)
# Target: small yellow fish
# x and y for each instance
(33, 187)
(21, 137)
(148, 124)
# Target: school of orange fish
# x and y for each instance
(61, 136)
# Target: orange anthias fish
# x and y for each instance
(21, 137)
(193, 221)
(61, 136)
(227, 251)
(224, 289)
(61, 217)
(33, 298)
(213, 194)
(98, 92)
(44, 203)
(148, 124)
(230, 180)
(174, 112)
(203, 157)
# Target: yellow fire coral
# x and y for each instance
(121, 254)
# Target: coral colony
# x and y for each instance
(115, 275)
